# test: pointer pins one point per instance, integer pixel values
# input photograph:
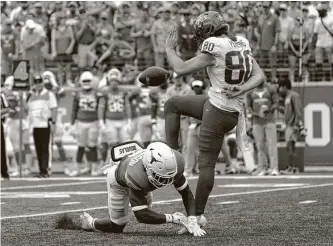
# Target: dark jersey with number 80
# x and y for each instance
(233, 67)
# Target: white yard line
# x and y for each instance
(190, 178)
(308, 202)
(51, 185)
(263, 185)
(69, 203)
(227, 202)
(170, 201)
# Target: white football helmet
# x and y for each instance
(86, 80)
(160, 163)
(114, 72)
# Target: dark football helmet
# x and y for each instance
(207, 24)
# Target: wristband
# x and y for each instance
(168, 218)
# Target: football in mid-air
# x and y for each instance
(154, 76)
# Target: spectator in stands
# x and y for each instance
(141, 32)
(241, 26)
(118, 53)
(85, 36)
(286, 23)
(42, 114)
(40, 16)
(269, 29)
(73, 18)
(195, 11)
(294, 10)
(4, 11)
(7, 49)
(53, 11)
(187, 44)
(175, 13)
(32, 41)
(297, 52)
(62, 45)
(124, 22)
(104, 28)
(323, 41)
(180, 88)
(262, 103)
(160, 31)
(20, 13)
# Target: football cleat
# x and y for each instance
(86, 222)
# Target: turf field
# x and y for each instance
(242, 210)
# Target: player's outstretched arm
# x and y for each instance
(184, 68)
(257, 77)
(145, 215)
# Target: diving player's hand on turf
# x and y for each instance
(171, 42)
(193, 227)
(176, 218)
(201, 221)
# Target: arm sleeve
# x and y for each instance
(141, 211)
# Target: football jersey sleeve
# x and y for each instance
(138, 199)
(211, 46)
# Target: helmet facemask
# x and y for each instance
(86, 84)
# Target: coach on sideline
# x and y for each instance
(42, 114)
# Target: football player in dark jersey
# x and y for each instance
(134, 179)
(84, 115)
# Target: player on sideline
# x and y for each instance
(232, 72)
(134, 179)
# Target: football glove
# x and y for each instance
(176, 218)
(202, 222)
(87, 222)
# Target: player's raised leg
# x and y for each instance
(175, 107)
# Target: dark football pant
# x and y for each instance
(4, 168)
(215, 124)
(42, 146)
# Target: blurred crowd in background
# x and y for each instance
(69, 37)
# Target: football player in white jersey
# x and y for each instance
(232, 72)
